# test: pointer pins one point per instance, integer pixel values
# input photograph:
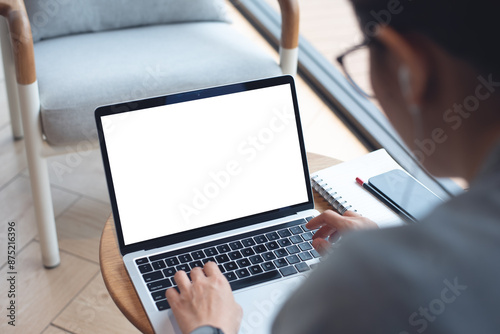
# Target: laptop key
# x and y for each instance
(172, 261)
(272, 245)
(254, 270)
(268, 266)
(184, 267)
(184, 258)
(268, 256)
(247, 252)
(223, 248)
(281, 252)
(235, 255)
(292, 259)
(242, 273)
(144, 260)
(315, 253)
(222, 258)
(221, 268)
(159, 265)
(284, 233)
(255, 279)
(198, 255)
(302, 267)
(211, 251)
(243, 263)
(296, 230)
(231, 266)
(305, 246)
(272, 236)
(293, 249)
(158, 285)
(159, 295)
(307, 236)
(231, 276)
(279, 263)
(305, 256)
(248, 242)
(287, 271)
(260, 249)
(296, 239)
(256, 259)
(260, 239)
(309, 218)
(236, 245)
(162, 305)
(155, 275)
(285, 242)
(195, 264)
(145, 268)
(169, 272)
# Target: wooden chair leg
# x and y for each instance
(39, 177)
(10, 80)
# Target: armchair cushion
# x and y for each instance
(53, 18)
(76, 74)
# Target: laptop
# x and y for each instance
(217, 174)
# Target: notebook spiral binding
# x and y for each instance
(332, 197)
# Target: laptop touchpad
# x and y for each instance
(261, 304)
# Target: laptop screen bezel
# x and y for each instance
(137, 105)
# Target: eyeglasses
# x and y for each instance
(355, 63)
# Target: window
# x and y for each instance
(327, 29)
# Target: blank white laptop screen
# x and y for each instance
(188, 165)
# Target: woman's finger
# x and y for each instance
(182, 281)
(211, 269)
(351, 214)
(321, 245)
(328, 217)
(172, 295)
(324, 232)
(197, 274)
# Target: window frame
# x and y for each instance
(359, 114)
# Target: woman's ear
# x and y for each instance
(413, 68)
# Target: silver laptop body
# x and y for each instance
(218, 174)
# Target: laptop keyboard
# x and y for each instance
(246, 259)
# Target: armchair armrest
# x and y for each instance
(289, 23)
(15, 13)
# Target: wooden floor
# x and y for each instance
(72, 298)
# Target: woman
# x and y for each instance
(435, 69)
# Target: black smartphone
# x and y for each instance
(405, 192)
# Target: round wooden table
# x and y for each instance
(116, 277)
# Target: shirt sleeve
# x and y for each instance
(351, 291)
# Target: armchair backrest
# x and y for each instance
(55, 18)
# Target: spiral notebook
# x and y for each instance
(337, 184)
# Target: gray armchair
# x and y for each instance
(62, 59)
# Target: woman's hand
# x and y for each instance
(208, 300)
(331, 224)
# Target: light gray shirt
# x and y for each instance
(439, 276)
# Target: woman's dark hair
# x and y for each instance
(468, 29)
